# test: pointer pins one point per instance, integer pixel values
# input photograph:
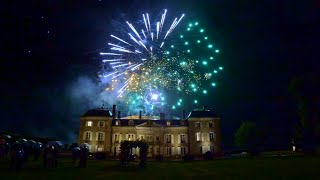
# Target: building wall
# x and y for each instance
(115, 134)
(94, 143)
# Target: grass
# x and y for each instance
(235, 168)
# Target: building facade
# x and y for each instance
(196, 134)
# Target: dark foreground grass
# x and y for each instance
(243, 168)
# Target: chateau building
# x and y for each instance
(195, 134)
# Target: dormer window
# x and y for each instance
(198, 124)
(131, 123)
(89, 123)
(101, 124)
(168, 123)
(117, 123)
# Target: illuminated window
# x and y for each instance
(117, 123)
(211, 136)
(100, 149)
(100, 136)
(198, 136)
(168, 123)
(101, 124)
(89, 123)
(149, 138)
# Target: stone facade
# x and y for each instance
(195, 135)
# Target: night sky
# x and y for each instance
(50, 53)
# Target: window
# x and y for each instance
(100, 149)
(141, 137)
(183, 151)
(210, 124)
(168, 151)
(157, 138)
(211, 136)
(198, 124)
(158, 150)
(100, 136)
(198, 136)
(117, 123)
(89, 123)
(211, 149)
(201, 149)
(149, 138)
(101, 124)
(87, 135)
(168, 138)
(130, 137)
(182, 138)
(168, 123)
(131, 123)
(116, 138)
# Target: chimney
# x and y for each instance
(119, 114)
(203, 107)
(183, 114)
(114, 111)
(140, 112)
(162, 116)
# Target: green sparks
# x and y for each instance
(186, 43)
(172, 46)
(188, 29)
(211, 57)
(173, 107)
(190, 25)
(204, 91)
(195, 101)
(204, 62)
(210, 45)
(201, 30)
(198, 41)
(213, 84)
(215, 71)
(196, 24)
(206, 38)
(188, 50)
(221, 68)
(217, 50)
(167, 52)
(181, 36)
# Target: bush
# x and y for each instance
(100, 155)
(159, 157)
(208, 156)
(188, 157)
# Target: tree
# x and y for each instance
(305, 89)
(126, 149)
(247, 137)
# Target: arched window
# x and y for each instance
(168, 123)
(89, 123)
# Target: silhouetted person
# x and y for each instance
(83, 157)
(16, 157)
(49, 157)
(75, 154)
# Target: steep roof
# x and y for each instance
(99, 112)
(202, 114)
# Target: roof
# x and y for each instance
(202, 114)
(125, 122)
(100, 112)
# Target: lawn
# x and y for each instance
(236, 168)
